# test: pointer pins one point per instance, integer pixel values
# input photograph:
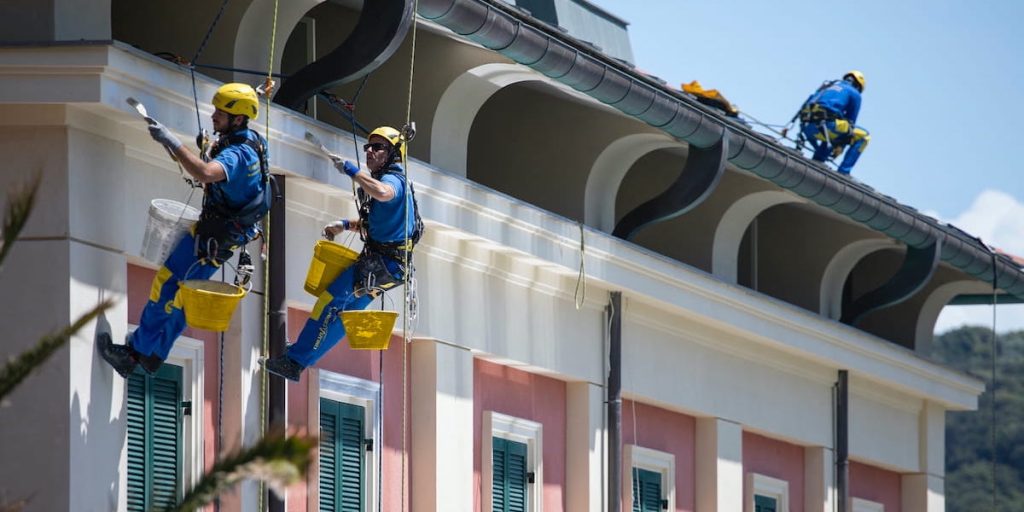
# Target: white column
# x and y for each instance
(442, 427)
(719, 465)
(819, 494)
(585, 447)
(924, 491)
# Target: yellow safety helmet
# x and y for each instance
(858, 78)
(237, 99)
(393, 136)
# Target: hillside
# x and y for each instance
(969, 434)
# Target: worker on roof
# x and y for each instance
(828, 120)
(389, 226)
(237, 196)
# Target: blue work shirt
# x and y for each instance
(840, 97)
(386, 216)
(243, 180)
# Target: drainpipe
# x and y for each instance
(276, 321)
(842, 469)
(615, 404)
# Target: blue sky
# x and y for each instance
(943, 97)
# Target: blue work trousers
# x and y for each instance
(826, 136)
(324, 328)
(162, 318)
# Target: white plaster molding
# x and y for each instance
(729, 233)
(610, 168)
(519, 430)
(933, 305)
(833, 280)
(659, 462)
(259, 19)
(767, 486)
(863, 505)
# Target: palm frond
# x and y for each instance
(20, 367)
(19, 206)
(277, 460)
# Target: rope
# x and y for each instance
(408, 268)
(199, 51)
(995, 347)
(581, 279)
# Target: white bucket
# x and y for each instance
(169, 221)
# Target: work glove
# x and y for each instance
(333, 229)
(161, 134)
(345, 166)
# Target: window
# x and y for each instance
(349, 425)
(652, 478)
(154, 417)
(342, 461)
(511, 466)
(766, 494)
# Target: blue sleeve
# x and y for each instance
(230, 159)
(853, 108)
(397, 184)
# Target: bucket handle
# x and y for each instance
(225, 262)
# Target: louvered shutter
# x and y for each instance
(764, 504)
(509, 484)
(342, 457)
(646, 491)
(154, 420)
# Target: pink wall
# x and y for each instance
(140, 280)
(876, 484)
(665, 431)
(363, 364)
(532, 397)
(777, 459)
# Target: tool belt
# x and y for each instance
(816, 114)
(373, 272)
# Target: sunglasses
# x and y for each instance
(375, 146)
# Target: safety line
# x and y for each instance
(581, 279)
(995, 348)
(199, 51)
(408, 268)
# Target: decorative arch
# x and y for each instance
(256, 24)
(460, 102)
(830, 298)
(610, 169)
(731, 228)
(932, 307)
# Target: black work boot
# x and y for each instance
(121, 357)
(283, 366)
(149, 363)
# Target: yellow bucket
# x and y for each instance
(329, 261)
(369, 330)
(209, 304)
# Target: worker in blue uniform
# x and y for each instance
(828, 120)
(237, 197)
(389, 226)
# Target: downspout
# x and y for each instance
(615, 403)
(842, 469)
(529, 41)
(276, 321)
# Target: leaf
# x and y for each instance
(20, 367)
(19, 206)
(277, 460)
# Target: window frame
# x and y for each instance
(660, 462)
(863, 505)
(354, 391)
(530, 433)
(763, 485)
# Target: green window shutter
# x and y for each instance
(154, 418)
(646, 491)
(509, 484)
(342, 456)
(765, 504)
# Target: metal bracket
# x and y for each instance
(381, 28)
(699, 177)
(917, 269)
